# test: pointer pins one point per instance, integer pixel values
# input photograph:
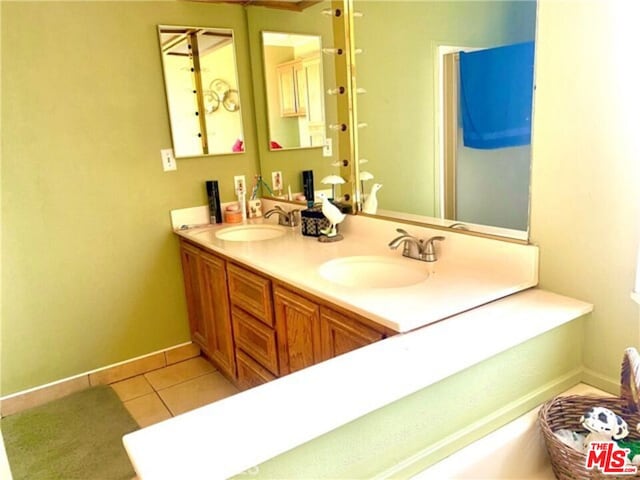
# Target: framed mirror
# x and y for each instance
(410, 127)
(201, 84)
(293, 75)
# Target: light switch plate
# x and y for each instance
(168, 160)
(276, 180)
(327, 149)
(239, 183)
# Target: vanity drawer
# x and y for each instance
(251, 292)
(251, 373)
(255, 339)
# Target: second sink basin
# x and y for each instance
(374, 272)
(250, 233)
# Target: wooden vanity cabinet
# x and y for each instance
(207, 296)
(255, 329)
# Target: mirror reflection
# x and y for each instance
(413, 143)
(294, 90)
(201, 84)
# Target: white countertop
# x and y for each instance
(338, 391)
(470, 271)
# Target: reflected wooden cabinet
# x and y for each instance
(291, 81)
(300, 86)
(209, 314)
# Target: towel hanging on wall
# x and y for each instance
(496, 93)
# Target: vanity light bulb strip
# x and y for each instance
(336, 91)
(330, 12)
(333, 51)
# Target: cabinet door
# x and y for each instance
(298, 331)
(251, 373)
(216, 312)
(255, 338)
(315, 95)
(286, 82)
(301, 88)
(191, 273)
(341, 334)
(251, 292)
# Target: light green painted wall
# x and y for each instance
(90, 271)
(586, 170)
(406, 436)
(399, 39)
(291, 162)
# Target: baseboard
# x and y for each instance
(116, 372)
(595, 379)
(452, 443)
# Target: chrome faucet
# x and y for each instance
(423, 250)
(288, 219)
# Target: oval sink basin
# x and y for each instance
(374, 272)
(250, 233)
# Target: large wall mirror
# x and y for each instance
(412, 143)
(295, 94)
(203, 97)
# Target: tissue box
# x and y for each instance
(313, 221)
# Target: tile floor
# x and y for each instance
(172, 390)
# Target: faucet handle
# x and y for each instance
(294, 217)
(430, 250)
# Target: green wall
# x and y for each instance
(90, 270)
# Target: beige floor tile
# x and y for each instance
(180, 354)
(132, 388)
(147, 410)
(197, 392)
(178, 373)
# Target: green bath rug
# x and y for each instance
(78, 437)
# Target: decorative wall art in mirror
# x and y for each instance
(413, 143)
(201, 83)
(294, 90)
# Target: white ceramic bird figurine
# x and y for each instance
(371, 203)
(333, 214)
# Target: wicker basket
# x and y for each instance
(565, 412)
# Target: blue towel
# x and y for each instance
(496, 90)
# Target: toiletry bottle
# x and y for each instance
(242, 203)
(213, 196)
(307, 187)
